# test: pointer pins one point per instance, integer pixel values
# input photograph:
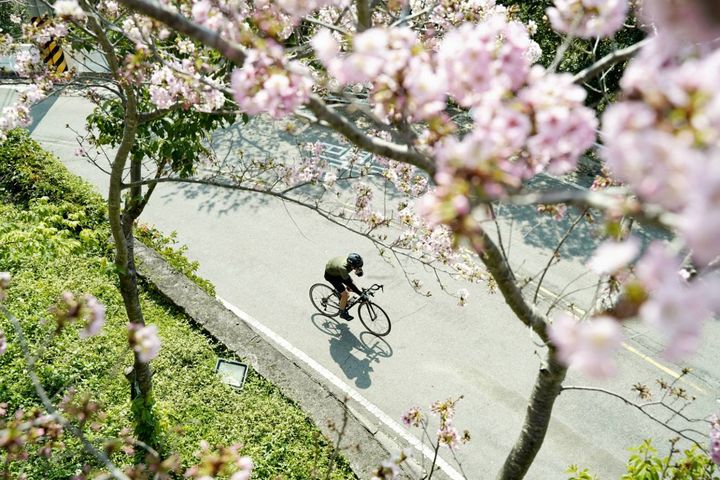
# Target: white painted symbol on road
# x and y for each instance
(342, 157)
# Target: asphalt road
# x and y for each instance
(263, 255)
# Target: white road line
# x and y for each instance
(349, 391)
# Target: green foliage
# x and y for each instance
(28, 172)
(191, 403)
(166, 245)
(177, 138)
(646, 464)
(577, 474)
(52, 240)
(581, 53)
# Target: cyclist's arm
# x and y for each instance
(352, 287)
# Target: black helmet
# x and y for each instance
(354, 261)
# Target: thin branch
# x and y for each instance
(99, 455)
(326, 25)
(414, 15)
(556, 251)
(615, 199)
(341, 124)
(641, 407)
(181, 24)
(609, 60)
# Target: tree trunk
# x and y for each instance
(548, 384)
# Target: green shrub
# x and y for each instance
(174, 254)
(28, 172)
(191, 401)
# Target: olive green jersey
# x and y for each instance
(337, 267)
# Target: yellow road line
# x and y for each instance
(633, 350)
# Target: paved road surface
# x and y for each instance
(263, 255)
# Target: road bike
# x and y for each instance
(327, 301)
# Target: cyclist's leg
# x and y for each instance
(339, 287)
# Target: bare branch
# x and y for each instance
(341, 124)
(607, 61)
(555, 253)
(642, 407)
(183, 25)
(616, 199)
(99, 455)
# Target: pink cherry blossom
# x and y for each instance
(658, 266)
(588, 18)
(325, 46)
(448, 435)
(3, 342)
(145, 341)
(268, 83)
(681, 23)
(563, 127)
(69, 9)
(94, 316)
(715, 440)
(611, 256)
(487, 58)
(679, 312)
(413, 417)
(590, 346)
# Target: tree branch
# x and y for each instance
(99, 455)
(615, 199)
(607, 61)
(642, 408)
(500, 270)
(341, 124)
(183, 25)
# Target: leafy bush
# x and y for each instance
(646, 464)
(192, 403)
(53, 239)
(167, 246)
(28, 172)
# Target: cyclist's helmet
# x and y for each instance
(355, 261)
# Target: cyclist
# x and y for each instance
(337, 272)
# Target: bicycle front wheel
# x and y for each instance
(374, 318)
(325, 299)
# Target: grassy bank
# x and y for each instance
(53, 238)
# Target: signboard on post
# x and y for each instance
(51, 52)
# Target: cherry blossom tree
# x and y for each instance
(450, 92)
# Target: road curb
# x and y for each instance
(359, 445)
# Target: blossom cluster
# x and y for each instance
(663, 141)
(404, 79)
(70, 308)
(447, 433)
(590, 346)
(268, 83)
(180, 82)
(588, 18)
(144, 339)
(715, 440)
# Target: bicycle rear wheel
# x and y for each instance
(325, 299)
(374, 318)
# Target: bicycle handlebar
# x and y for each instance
(369, 291)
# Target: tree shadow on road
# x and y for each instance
(354, 354)
(545, 232)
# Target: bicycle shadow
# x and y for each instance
(354, 354)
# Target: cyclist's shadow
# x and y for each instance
(355, 355)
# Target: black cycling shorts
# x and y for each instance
(336, 282)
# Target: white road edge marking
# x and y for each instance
(349, 391)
